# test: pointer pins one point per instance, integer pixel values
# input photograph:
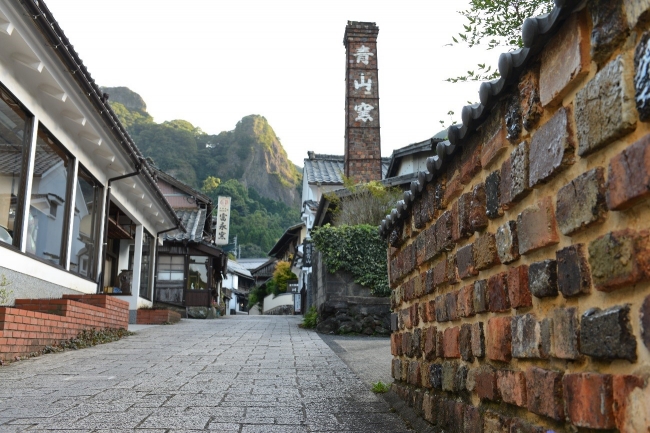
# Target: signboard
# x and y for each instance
(293, 286)
(307, 251)
(223, 220)
(297, 300)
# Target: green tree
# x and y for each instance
(210, 184)
(495, 23)
(281, 277)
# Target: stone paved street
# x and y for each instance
(239, 374)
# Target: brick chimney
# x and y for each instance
(362, 141)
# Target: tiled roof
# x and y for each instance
(237, 268)
(193, 220)
(329, 169)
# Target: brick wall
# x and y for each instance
(32, 324)
(157, 317)
(521, 270)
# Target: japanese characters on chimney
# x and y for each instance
(223, 220)
(362, 139)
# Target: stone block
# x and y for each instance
(507, 242)
(530, 338)
(565, 333)
(451, 346)
(477, 208)
(641, 78)
(629, 176)
(619, 259)
(499, 339)
(486, 383)
(623, 386)
(518, 290)
(565, 60)
(435, 376)
(542, 278)
(497, 293)
(609, 30)
(451, 305)
(478, 340)
(513, 117)
(544, 393)
(493, 195)
(607, 334)
(429, 351)
(581, 203)
(485, 252)
(495, 423)
(589, 399)
(551, 148)
(605, 108)
(480, 296)
(465, 342)
(573, 274)
(644, 318)
(466, 301)
(536, 227)
(512, 387)
(465, 261)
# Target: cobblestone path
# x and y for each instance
(240, 374)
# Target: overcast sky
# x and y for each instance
(212, 62)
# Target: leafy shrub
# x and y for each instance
(380, 387)
(310, 319)
(358, 250)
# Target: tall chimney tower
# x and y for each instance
(362, 141)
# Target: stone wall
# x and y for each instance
(521, 269)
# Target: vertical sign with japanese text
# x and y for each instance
(223, 220)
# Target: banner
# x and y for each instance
(223, 220)
(307, 252)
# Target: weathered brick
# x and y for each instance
(470, 159)
(406, 318)
(551, 148)
(573, 274)
(428, 406)
(518, 291)
(429, 351)
(499, 339)
(544, 393)
(465, 261)
(464, 212)
(609, 28)
(472, 420)
(494, 145)
(416, 343)
(486, 383)
(542, 278)
(435, 376)
(449, 369)
(440, 272)
(427, 281)
(466, 301)
(405, 371)
(478, 340)
(629, 176)
(406, 343)
(607, 334)
(477, 208)
(521, 426)
(641, 78)
(605, 109)
(565, 60)
(495, 423)
(519, 172)
(429, 236)
(441, 309)
(395, 344)
(409, 290)
(414, 373)
(440, 353)
(451, 347)
(512, 387)
(497, 293)
(485, 252)
(505, 184)
(619, 259)
(420, 250)
(394, 323)
(507, 242)
(536, 227)
(453, 189)
(493, 195)
(430, 310)
(530, 338)
(451, 305)
(565, 333)
(396, 370)
(443, 229)
(452, 269)
(589, 400)
(480, 296)
(465, 342)
(581, 203)
(531, 107)
(644, 318)
(623, 386)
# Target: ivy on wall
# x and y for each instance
(356, 249)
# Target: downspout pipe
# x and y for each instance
(107, 208)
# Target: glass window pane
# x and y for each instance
(46, 219)
(13, 124)
(148, 246)
(171, 268)
(198, 273)
(84, 230)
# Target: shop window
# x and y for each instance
(15, 123)
(46, 220)
(198, 273)
(148, 250)
(171, 269)
(83, 253)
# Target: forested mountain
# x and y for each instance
(249, 164)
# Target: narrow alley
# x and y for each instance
(241, 374)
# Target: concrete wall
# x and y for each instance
(521, 271)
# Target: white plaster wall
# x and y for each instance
(272, 301)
